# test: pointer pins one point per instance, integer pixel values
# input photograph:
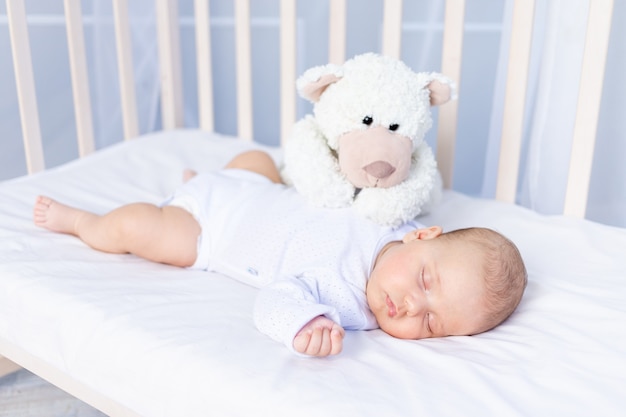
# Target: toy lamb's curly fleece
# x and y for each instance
(364, 144)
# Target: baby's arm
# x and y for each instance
(289, 312)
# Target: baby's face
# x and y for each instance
(427, 287)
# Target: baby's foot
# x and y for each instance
(189, 174)
(54, 216)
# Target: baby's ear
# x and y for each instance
(423, 234)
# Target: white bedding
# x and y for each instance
(165, 341)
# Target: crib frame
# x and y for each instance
(598, 29)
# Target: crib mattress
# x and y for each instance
(165, 341)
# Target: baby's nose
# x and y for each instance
(414, 305)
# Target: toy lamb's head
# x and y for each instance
(373, 112)
(364, 146)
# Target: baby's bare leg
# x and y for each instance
(188, 174)
(256, 161)
(160, 234)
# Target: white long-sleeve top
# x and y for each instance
(308, 261)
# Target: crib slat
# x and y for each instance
(169, 64)
(337, 32)
(450, 66)
(287, 68)
(588, 106)
(392, 28)
(123, 43)
(203, 58)
(80, 80)
(515, 98)
(25, 84)
(244, 69)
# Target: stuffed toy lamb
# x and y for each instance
(364, 144)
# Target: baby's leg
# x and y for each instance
(160, 234)
(188, 174)
(256, 161)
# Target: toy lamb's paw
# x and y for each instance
(312, 169)
(335, 195)
(388, 206)
(436, 194)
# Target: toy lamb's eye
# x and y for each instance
(394, 127)
(367, 120)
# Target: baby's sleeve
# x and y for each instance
(285, 306)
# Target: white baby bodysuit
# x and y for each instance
(308, 261)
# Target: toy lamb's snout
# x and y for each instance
(375, 157)
(379, 169)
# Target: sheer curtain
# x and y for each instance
(558, 38)
(557, 52)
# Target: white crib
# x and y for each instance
(135, 339)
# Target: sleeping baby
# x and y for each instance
(320, 271)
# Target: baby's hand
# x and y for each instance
(319, 337)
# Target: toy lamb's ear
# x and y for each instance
(439, 93)
(442, 89)
(312, 84)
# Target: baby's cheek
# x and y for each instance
(401, 329)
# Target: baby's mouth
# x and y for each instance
(391, 307)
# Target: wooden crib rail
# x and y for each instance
(80, 81)
(25, 84)
(97, 399)
(337, 31)
(171, 83)
(515, 100)
(130, 119)
(204, 69)
(588, 106)
(451, 57)
(168, 33)
(287, 67)
(7, 366)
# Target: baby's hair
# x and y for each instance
(504, 272)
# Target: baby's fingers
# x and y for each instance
(310, 341)
(325, 341)
(301, 341)
(316, 343)
(320, 342)
(325, 347)
(336, 338)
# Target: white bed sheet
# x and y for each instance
(165, 341)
